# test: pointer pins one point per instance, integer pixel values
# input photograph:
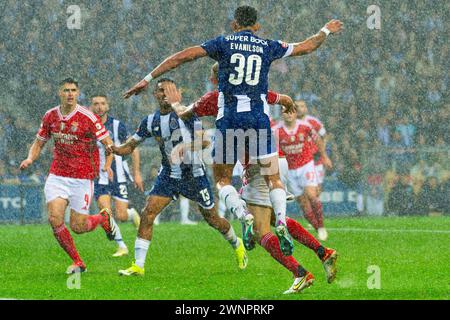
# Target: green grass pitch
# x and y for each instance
(194, 262)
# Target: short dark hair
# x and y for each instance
(163, 80)
(68, 80)
(246, 16)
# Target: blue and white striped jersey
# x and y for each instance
(119, 134)
(244, 63)
(169, 131)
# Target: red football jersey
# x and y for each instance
(319, 128)
(295, 144)
(207, 105)
(75, 154)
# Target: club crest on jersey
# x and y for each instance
(74, 127)
(173, 124)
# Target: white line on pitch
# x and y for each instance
(389, 230)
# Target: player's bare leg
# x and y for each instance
(82, 223)
(226, 229)
(56, 211)
(270, 172)
(316, 205)
(307, 209)
(155, 204)
(269, 242)
(104, 201)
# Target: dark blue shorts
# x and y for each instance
(116, 190)
(242, 135)
(197, 189)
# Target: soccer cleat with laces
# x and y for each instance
(329, 264)
(301, 283)
(134, 270)
(285, 239)
(121, 252)
(75, 267)
(241, 255)
(247, 232)
(108, 223)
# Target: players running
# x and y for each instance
(75, 131)
(294, 137)
(115, 183)
(320, 164)
(244, 62)
(175, 178)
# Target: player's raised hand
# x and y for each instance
(25, 164)
(138, 88)
(335, 26)
(177, 154)
(172, 94)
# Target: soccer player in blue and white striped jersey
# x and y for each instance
(114, 184)
(182, 173)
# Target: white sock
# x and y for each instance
(118, 237)
(140, 251)
(230, 197)
(231, 237)
(131, 213)
(222, 208)
(278, 199)
(184, 208)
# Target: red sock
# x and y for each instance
(311, 217)
(302, 235)
(94, 221)
(270, 242)
(66, 242)
(318, 212)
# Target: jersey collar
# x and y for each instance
(70, 115)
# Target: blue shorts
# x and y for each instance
(243, 135)
(197, 189)
(116, 190)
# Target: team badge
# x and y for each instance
(173, 124)
(74, 127)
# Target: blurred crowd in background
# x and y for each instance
(383, 95)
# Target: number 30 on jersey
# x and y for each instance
(250, 68)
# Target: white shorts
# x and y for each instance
(320, 173)
(301, 178)
(78, 192)
(256, 191)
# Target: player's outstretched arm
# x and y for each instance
(33, 154)
(170, 63)
(125, 148)
(314, 42)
